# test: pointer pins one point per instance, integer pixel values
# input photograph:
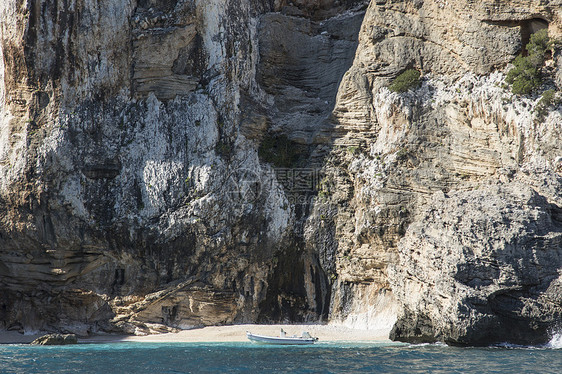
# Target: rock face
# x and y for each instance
(56, 339)
(481, 266)
(132, 193)
(461, 131)
(170, 164)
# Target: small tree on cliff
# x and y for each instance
(525, 77)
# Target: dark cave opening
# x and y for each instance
(528, 28)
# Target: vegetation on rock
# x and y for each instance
(547, 100)
(405, 81)
(525, 77)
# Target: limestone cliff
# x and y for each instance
(437, 265)
(168, 164)
(129, 161)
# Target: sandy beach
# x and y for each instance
(235, 333)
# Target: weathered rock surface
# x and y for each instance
(56, 339)
(170, 164)
(132, 194)
(481, 266)
(460, 131)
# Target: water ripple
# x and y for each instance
(247, 358)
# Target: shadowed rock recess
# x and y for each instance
(169, 164)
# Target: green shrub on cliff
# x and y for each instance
(548, 99)
(538, 45)
(525, 77)
(408, 79)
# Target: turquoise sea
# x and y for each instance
(249, 358)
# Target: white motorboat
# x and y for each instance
(283, 339)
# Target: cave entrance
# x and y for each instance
(529, 27)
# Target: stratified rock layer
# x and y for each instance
(132, 195)
(170, 164)
(461, 130)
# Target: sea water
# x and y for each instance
(250, 358)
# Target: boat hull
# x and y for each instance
(261, 339)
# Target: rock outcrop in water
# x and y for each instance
(56, 339)
(480, 266)
(169, 164)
